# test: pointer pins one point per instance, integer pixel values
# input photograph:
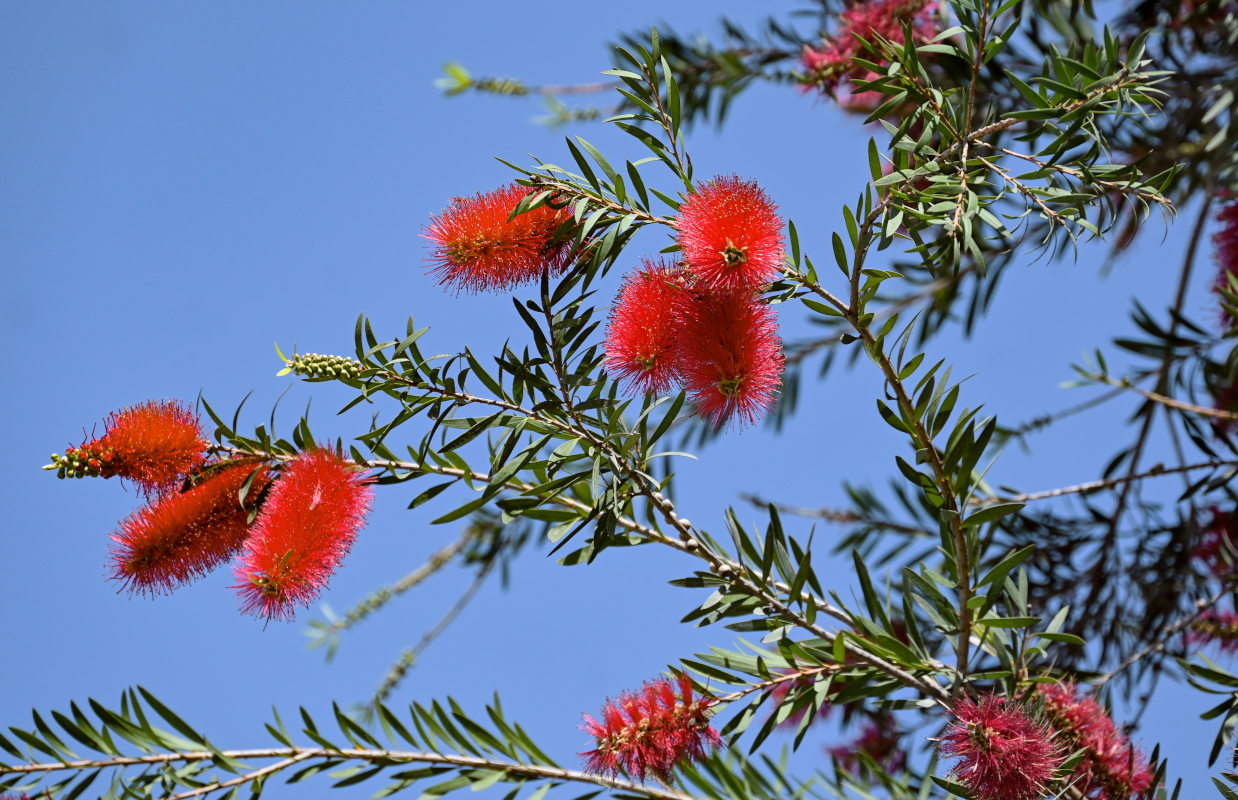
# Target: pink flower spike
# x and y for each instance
(1225, 252)
(1003, 754)
(306, 527)
(731, 235)
(1112, 768)
(1216, 627)
(647, 734)
(855, 37)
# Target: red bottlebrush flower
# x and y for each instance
(868, 20)
(648, 733)
(1112, 768)
(154, 444)
(1003, 754)
(1225, 253)
(1216, 627)
(640, 338)
(729, 355)
(731, 235)
(181, 536)
(879, 740)
(479, 245)
(304, 530)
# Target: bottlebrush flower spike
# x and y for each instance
(731, 235)
(1112, 768)
(1216, 627)
(154, 444)
(304, 530)
(729, 355)
(181, 536)
(868, 20)
(1003, 754)
(640, 338)
(479, 245)
(648, 733)
(1225, 252)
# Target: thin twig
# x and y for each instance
(1048, 419)
(409, 656)
(437, 560)
(1165, 400)
(1162, 639)
(242, 779)
(834, 515)
(1107, 483)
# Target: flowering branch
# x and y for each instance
(439, 559)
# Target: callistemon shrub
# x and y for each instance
(874, 564)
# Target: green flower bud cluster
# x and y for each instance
(508, 86)
(317, 365)
(82, 462)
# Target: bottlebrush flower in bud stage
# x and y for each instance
(1112, 768)
(1003, 754)
(640, 338)
(731, 235)
(154, 444)
(305, 528)
(648, 733)
(478, 245)
(729, 355)
(1225, 251)
(181, 536)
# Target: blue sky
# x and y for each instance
(184, 185)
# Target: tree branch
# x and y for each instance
(292, 755)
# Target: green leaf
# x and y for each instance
(1064, 638)
(1009, 622)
